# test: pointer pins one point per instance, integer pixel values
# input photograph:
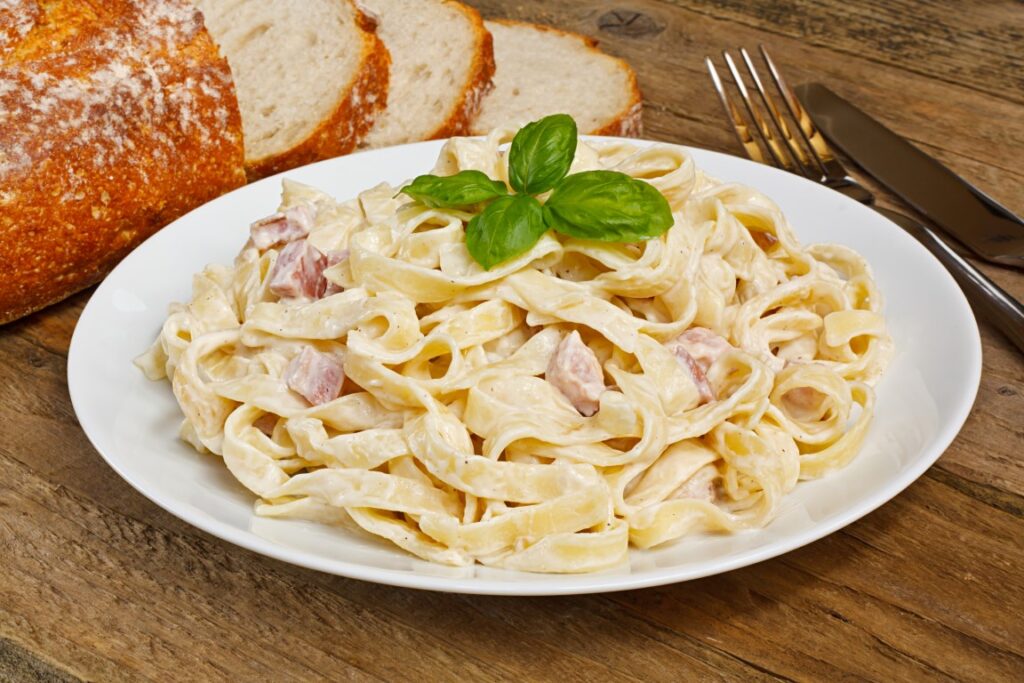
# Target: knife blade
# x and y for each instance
(962, 210)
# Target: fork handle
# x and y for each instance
(989, 300)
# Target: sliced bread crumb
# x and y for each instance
(442, 62)
(542, 71)
(310, 77)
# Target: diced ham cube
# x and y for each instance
(299, 272)
(707, 394)
(575, 371)
(703, 345)
(700, 486)
(282, 227)
(333, 259)
(315, 376)
(764, 240)
(803, 403)
(697, 349)
(266, 423)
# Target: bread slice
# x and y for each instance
(442, 61)
(542, 71)
(311, 75)
(116, 117)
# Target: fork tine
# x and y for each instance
(758, 134)
(808, 131)
(781, 160)
(739, 126)
(796, 152)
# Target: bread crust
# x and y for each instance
(106, 139)
(479, 83)
(367, 95)
(626, 123)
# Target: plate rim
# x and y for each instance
(557, 584)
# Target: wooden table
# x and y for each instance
(98, 583)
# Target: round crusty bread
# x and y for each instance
(115, 118)
(311, 76)
(542, 71)
(442, 61)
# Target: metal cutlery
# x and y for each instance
(963, 211)
(796, 145)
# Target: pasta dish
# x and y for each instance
(357, 364)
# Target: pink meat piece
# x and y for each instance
(333, 259)
(703, 345)
(803, 403)
(315, 376)
(299, 272)
(266, 423)
(763, 239)
(707, 394)
(282, 227)
(575, 371)
(700, 486)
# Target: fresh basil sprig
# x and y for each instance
(593, 205)
(607, 206)
(462, 189)
(541, 154)
(508, 227)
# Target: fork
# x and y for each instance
(795, 145)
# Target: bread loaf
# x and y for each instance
(311, 76)
(115, 118)
(542, 70)
(442, 61)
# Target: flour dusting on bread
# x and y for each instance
(118, 116)
(130, 123)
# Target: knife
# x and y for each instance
(990, 230)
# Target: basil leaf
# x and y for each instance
(508, 227)
(608, 206)
(462, 189)
(541, 154)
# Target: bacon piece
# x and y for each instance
(266, 423)
(697, 349)
(299, 272)
(282, 227)
(575, 371)
(707, 394)
(804, 403)
(333, 259)
(764, 240)
(315, 376)
(703, 345)
(700, 486)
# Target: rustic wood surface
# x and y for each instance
(97, 583)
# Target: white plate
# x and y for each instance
(923, 399)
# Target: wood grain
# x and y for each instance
(100, 584)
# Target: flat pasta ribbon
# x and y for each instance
(447, 438)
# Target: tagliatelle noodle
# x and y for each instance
(447, 440)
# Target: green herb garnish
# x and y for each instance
(452, 191)
(608, 206)
(510, 226)
(594, 205)
(541, 154)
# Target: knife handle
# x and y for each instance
(988, 299)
